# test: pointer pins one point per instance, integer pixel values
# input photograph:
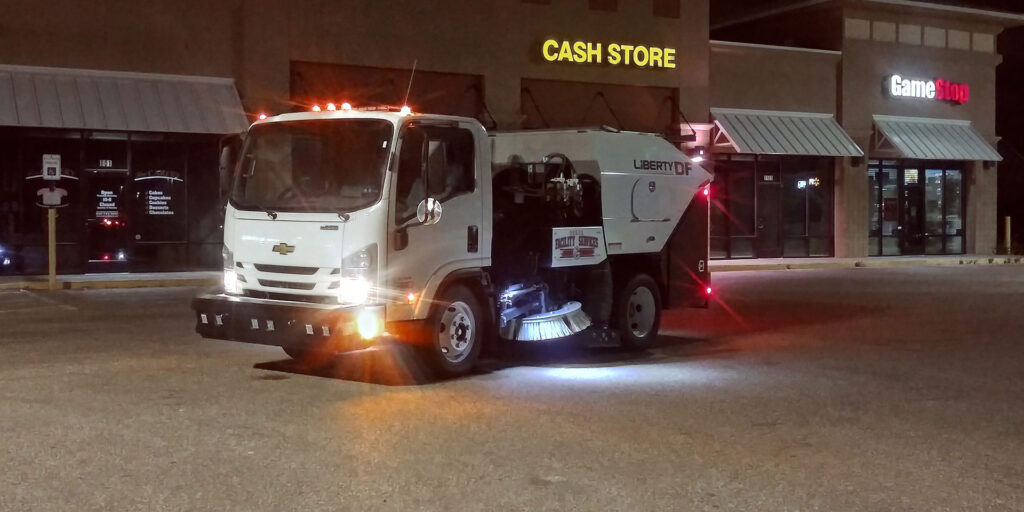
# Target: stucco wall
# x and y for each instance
(255, 41)
(865, 66)
(767, 78)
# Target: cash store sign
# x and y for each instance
(612, 54)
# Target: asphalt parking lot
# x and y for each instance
(863, 389)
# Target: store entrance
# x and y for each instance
(769, 225)
(912, 218)
(106, 236)
(915, 208)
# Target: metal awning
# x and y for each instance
(932, 139)
(108, 100)
(766, 132)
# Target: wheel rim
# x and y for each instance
(640, 312)
(455, 336)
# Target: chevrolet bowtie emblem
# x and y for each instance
(283, 249)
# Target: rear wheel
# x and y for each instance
(455, 332)
(638, 312)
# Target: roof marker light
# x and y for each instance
(262, 116)
(316, 108)
(331, 107)
(707, 191)
(346, 106)
(405, 110)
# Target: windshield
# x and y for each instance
(329, 165)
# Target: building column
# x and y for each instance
(501, 93)
(980, 220)
(851, 206)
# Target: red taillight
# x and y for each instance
(707, 191)
(708, 291)
(106, 257)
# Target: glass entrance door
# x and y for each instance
(106, 243)
(769, 241)
(912, 214)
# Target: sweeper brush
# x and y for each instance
(561, 323)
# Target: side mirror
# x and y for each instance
(428, 212)
(229, 148)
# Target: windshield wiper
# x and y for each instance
(270, 213)
(343, 215)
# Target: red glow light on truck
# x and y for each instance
(707, 191)
(262, 116)
(316, 108)
(708, 291)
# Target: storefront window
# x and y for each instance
(954, 212)
(933, 210)
(915, 209)
(123, 201)
(772, 206)
(36, 149)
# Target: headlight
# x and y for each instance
(229, 258)
(358, 276)
(231, 280)
(354, 291)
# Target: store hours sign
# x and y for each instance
(939, 89)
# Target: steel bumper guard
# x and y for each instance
(284, 324)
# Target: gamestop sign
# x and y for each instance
(937, 90)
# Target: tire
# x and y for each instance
(637, 313)
(455, 332)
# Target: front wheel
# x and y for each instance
(638, 312)
(455, 332)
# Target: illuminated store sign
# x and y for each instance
(614, 54)
(938, 89)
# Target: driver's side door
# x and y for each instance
(435, 163)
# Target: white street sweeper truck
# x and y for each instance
(347, 228)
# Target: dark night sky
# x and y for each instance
(720, 8)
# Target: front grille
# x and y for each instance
(312, 299)
(286, 284)
(285, 269)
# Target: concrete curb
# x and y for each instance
(871, 263)
(110, 284)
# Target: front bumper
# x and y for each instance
(286, 324)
